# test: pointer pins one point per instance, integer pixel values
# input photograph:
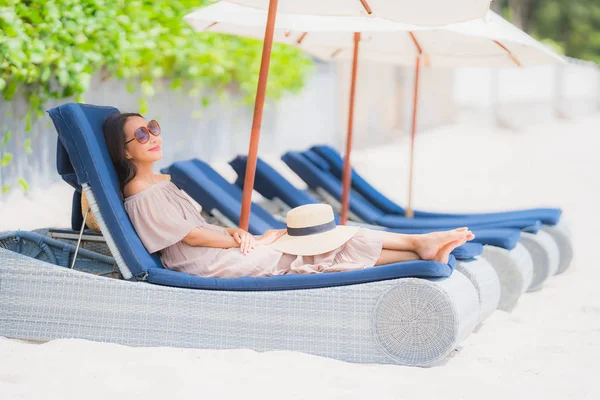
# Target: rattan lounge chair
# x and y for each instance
(412, 313)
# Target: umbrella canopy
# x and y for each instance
(420, 12)
(492, 42)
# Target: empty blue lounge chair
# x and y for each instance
(550, 217)
(542, 248)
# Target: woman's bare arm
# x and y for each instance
(232, 231)
(201, 237)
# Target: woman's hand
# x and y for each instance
(271, 236)
(245, 240)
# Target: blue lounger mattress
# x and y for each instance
(316, 178)
(416, 269)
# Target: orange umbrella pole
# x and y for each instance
(258, 112)
(413, 131)
(347, 173)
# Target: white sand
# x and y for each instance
(549, 347)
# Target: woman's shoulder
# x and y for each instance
(137, 186)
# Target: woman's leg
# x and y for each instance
(442, 255)
(394, 256)
(425, 245)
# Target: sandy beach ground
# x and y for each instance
(548, 347)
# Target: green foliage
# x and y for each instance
(6, 159)
(24, 184)
(50, 49)
(570, 27)
(5, 139)
(574, 24)
(27, 146)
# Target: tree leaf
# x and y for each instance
(23, 184)
(27, 146)
(5, 138)
(6, 159)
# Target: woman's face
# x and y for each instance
(150, 151)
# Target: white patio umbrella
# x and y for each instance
(494, 42)
(421, 12)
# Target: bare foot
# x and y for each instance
(428, 245)
(443, 254)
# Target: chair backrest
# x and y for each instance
(271, 184)
(335, 163)
(212, 191)
(82, 158)
(316, 178)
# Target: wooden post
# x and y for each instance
(413, 131)
(347, 173)
(257, 119)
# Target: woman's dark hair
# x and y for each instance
(114, 135)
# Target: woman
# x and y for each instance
(168, 223)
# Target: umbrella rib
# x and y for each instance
(366, 7)
(416, 43)
(210, 26)
(336, 52)
(510, 54)
(301, 38)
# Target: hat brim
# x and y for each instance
(318, 243)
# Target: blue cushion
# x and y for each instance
(317, 160)
(330, 156)
(399, 221)
(270, 184)
(315, 177)
(420, 269)
(468, 251)
(81, 134)
(503, 238)
(336, 165)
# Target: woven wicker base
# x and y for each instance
(402, 321)
(485, 279)
(561, 234)
(545, 255)
(515, 271)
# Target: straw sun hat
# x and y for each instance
(311, 230)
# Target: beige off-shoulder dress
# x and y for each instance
(162, 216)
